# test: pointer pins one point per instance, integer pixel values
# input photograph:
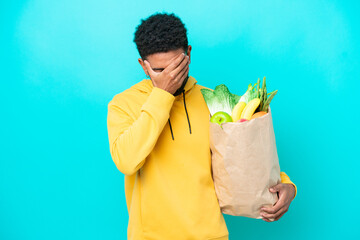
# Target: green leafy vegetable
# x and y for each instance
(220, 99)
(256, 91)
(250, 94)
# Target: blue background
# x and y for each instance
(63, 61)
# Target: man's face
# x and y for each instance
(159, 61)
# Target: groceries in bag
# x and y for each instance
(244, 155)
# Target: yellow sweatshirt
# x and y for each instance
(161, 144)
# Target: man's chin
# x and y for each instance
(181, 88)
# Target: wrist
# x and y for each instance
(293, 190)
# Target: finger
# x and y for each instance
(266, 219)
(182, 73)
(186, 73)
(276, 188)
(273, 215)
(180, 67)
(149, 69)
(278, 217)
(174, 63)
(278, 205)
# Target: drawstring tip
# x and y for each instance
(172, 135)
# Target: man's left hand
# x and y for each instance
(286, 193)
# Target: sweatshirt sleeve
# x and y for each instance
(131, 141)
(285, 179)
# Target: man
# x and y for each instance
(159, 138)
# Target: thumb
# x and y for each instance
(148, 68)
(275, 188)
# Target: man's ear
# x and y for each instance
(189, 52)
(140, 60)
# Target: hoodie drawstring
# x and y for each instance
(172, 135)
(186, 112)
(187, 116)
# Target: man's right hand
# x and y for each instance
(171, 78)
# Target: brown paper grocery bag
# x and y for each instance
(245, 165)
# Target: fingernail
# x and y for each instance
(271, 189)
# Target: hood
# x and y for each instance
(147, 86)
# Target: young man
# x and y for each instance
(159, 138)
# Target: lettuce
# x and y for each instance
(220, 99)
(250, 94)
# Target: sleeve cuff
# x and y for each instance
(158, 100)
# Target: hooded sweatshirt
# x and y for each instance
(160, 142)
